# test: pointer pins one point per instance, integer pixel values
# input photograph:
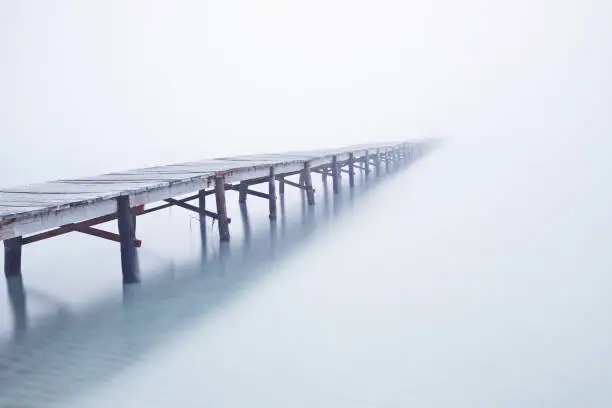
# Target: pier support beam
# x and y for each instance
(224, 234)
(366, 163)
(281, 185)
(202, 207)
(335, 175)
(12, 256)
(387, 160)
(351, 169)
(272, 193)
(242, 192)
(377, 160)
(308, 184)
(127, 239)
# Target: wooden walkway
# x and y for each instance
(39, 211)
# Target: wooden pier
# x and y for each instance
(40, 211)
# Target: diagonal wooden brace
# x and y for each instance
(194, 209)
(103, 234)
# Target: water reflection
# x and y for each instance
(69, 351)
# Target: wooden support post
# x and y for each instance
(281, 185)
(377, 160)
(127, 237)
(351, 169)
(242, 192)
(387, 166)
(308, 184)
(272, 193)
(367, 163)
(224, 234)
(12, 256)
(301, 179)
(202, 207)
(335, 175)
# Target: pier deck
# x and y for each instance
(39, 211)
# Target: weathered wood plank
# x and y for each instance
(43, 206)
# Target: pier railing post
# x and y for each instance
(224, 234)
(127, 238)
(335, 175)
(308, 183)
(351, 168)
(272, 193)
(12, 256)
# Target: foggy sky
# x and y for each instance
(121, 84)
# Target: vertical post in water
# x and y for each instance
(335, 176)
(387, 159)
(272, 193)
(351, 165)
(202, 206)
(224, 234)
(377, 160)
(308, 183)
(281, 185)
(12, 257)
(242, 192)
(127, 238)
(366, 163)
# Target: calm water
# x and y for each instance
(472, 278)
(478, 277)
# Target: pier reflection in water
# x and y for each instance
(64, 353)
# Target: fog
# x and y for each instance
(477, 276)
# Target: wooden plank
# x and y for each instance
(47, 207)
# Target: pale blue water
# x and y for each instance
(479, 277)
(472, 278)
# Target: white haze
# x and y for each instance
(120, 84)
(478, 277)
